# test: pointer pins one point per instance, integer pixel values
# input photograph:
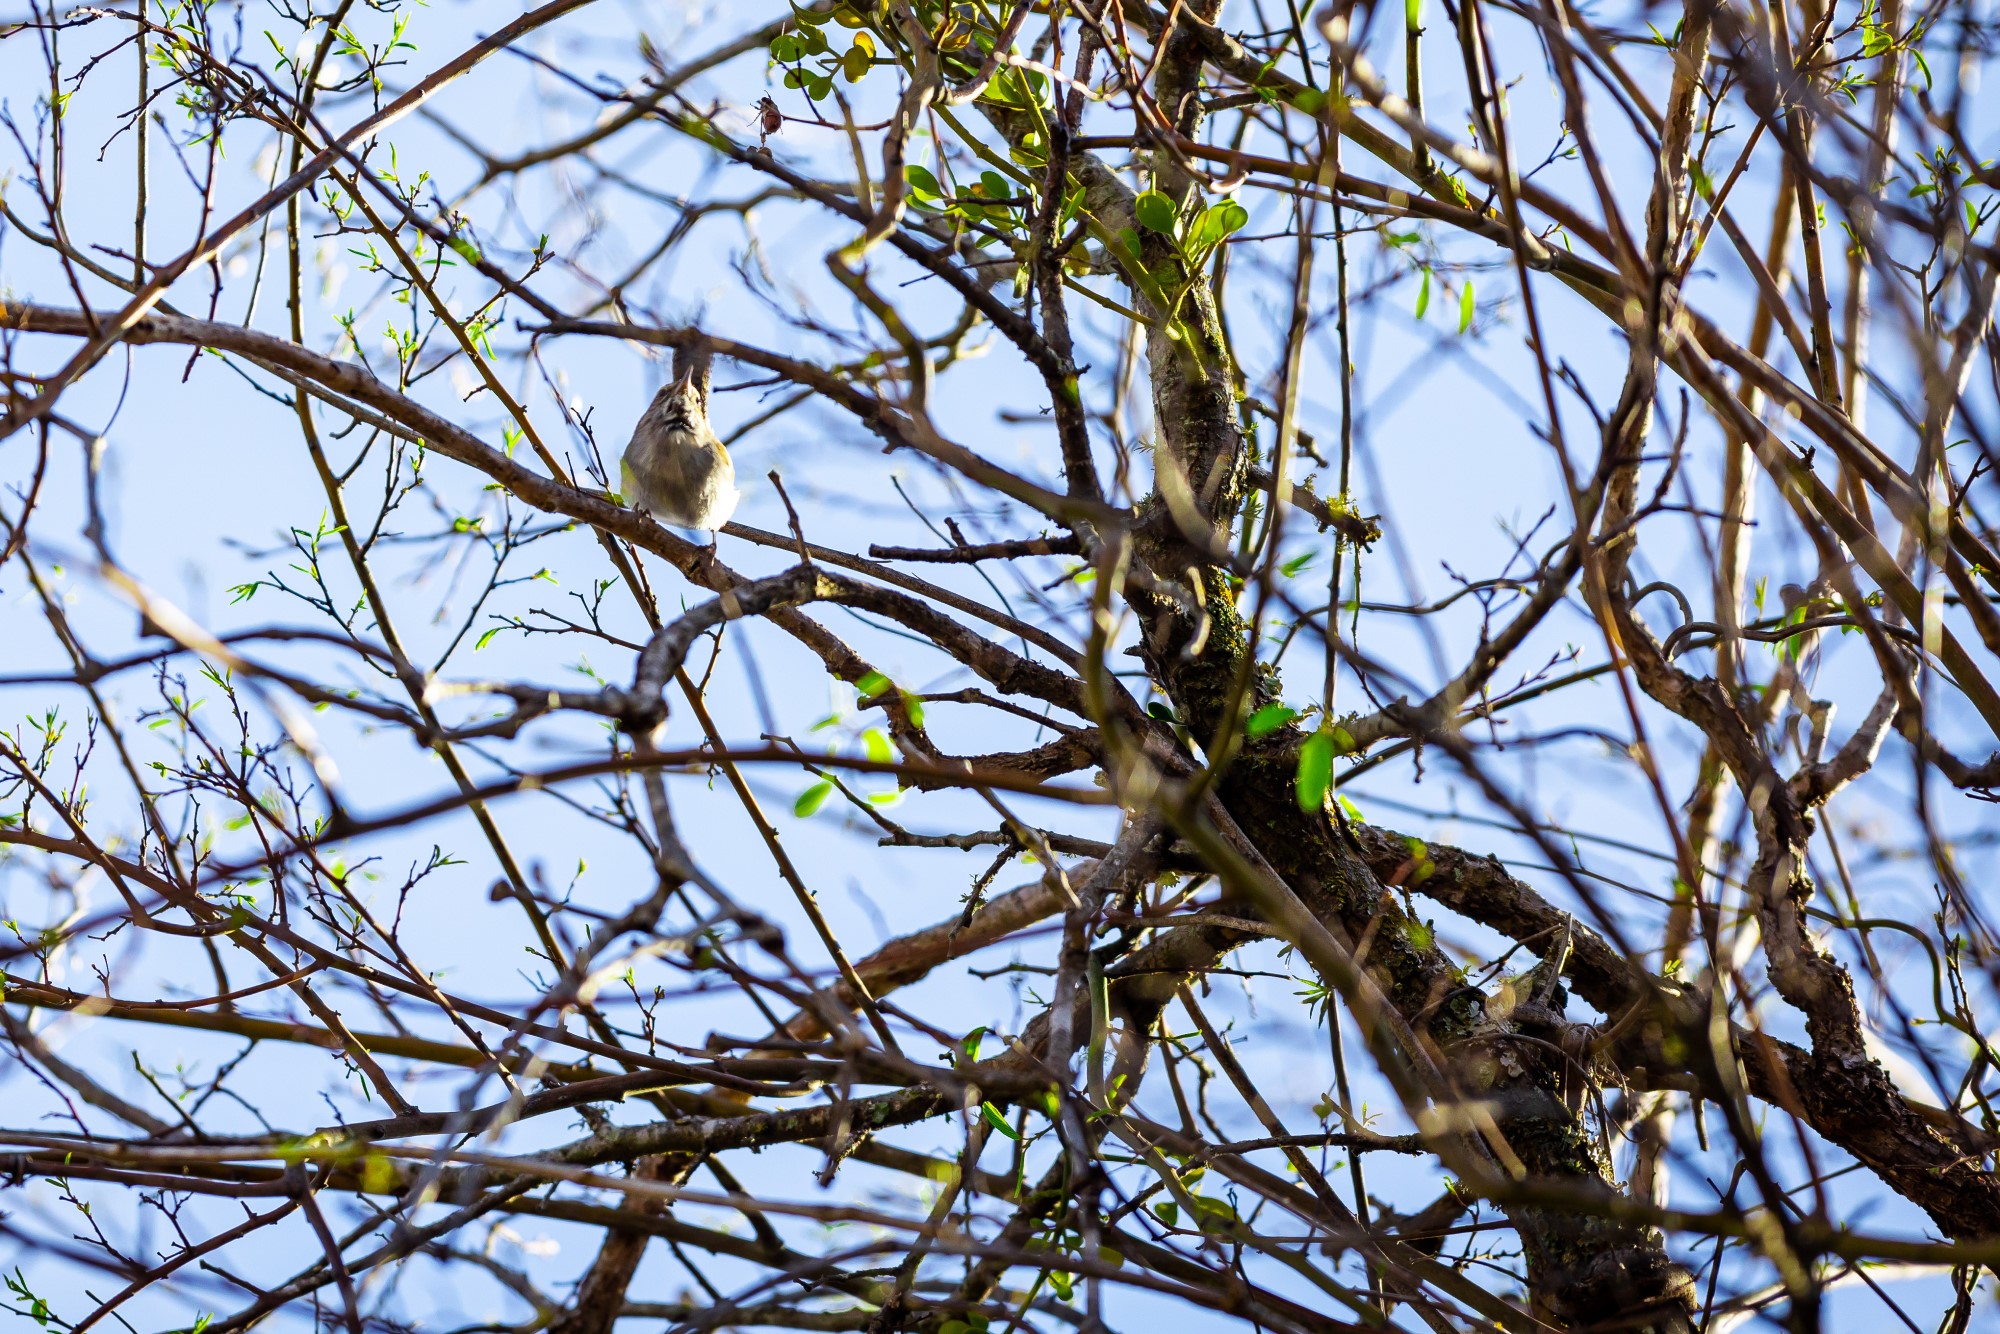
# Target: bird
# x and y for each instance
(770, 120)
(675, 469)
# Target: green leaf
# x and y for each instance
(913, 705)
(1167, 1212)
(1466, 306)
(1218, 222)
(1162, 710)
(1214, 1210)
(1004, 90)
(922, 182)
(1424, 293)
(997, 1121)
(1309, 100)
(1155, 212)
(812, 799)
(971, 1044)
(1291, 567)
(877, 746)
(1315, 775)
(871, 685)
(487, 638)
(1268, 720)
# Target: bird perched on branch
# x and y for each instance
(676, 469)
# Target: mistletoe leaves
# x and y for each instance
(1216, 224)
(1156, 212)
(806, 42)
(961, 35)
(1195, 235)
(1021, 89)
(1001, 208)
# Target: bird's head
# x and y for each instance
(687, 392)
(683, 401)
(693, 389)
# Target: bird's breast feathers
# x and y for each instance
(680, 477)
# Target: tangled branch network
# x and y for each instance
(1331, 669)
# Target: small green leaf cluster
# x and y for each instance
(1313, 778)
(873, 689)
(1195, 232)
(37, 1309)
(997, 208)
(807, 42)
(987, 198)
(1210, 1213)
(1421, 868)
(1067, 1243)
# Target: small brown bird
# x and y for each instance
(676, 469)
